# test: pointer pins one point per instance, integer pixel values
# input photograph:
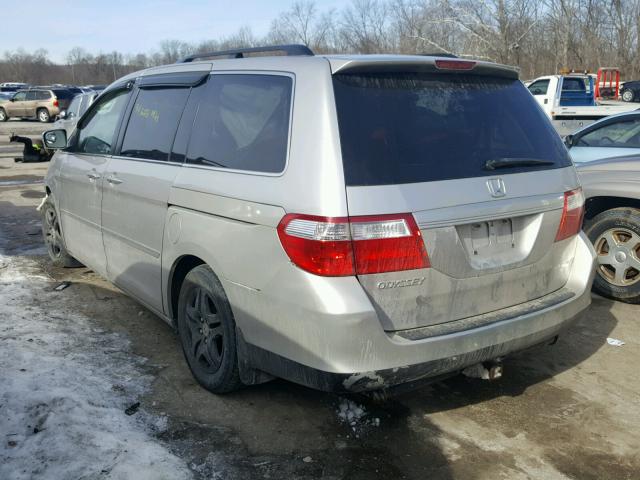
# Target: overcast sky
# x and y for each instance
(132, 26)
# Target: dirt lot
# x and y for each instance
(571, 410)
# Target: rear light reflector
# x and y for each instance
(455, 64)
(572, 214)
(353, 246)
(55, 102)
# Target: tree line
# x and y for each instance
(540, 37)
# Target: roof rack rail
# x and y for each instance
(288, 50)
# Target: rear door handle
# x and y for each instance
(93, 175)
(113, 180)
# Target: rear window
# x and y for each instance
(421, 127)
(65, 94)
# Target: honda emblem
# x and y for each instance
(496, 187)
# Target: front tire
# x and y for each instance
(627, 96)
(52, 235)
(43, 115)
(615, 235)
(207, 331)
(3, 115)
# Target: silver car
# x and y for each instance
(612, 223)
(349, 223)
(612, 136)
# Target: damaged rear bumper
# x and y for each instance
(403, 357)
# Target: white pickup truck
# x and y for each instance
(569, 101)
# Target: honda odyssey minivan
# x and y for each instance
(350, 223)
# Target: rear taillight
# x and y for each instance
(572, 214)
(55, 102)
(353, 246)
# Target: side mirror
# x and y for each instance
(63, 114)
(12, 99)
(55, 139)
(568, 141)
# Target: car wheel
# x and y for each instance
(3, 115)
(53, 237)
(207, 331)
(43, 115)
(615, 235)
(627, 95)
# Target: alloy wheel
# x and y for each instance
(618, 259)
(205, 330)
(52, 237)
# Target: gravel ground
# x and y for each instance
(565, 411)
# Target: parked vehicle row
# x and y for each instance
(41, 103)
(412, 217)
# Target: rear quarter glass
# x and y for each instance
(410, 127)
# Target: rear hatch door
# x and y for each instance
(480, 168)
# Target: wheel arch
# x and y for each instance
(179, 270)
(596, 205)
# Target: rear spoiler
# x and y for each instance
(396, 63)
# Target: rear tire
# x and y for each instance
(43, 115)
(3, 115)
(207, 331)
(615, 235)
(52, 234)
(627, 95)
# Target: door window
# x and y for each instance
(153, 123)
(243, 123)
(20, 96)
(74, 106)
(619, 134)
(96, 134)
(31, 95)
(539, 88)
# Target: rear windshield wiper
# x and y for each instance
(508, 162)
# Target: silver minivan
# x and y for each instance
(350, 223)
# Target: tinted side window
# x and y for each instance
(31, 95)
(539, 88)
(153, 123)
(43, 95)
(243, 123)
(96, 134)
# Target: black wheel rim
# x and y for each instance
(204, 331)
(52, 235)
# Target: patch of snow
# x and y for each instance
(64, 386)
(356, 417)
